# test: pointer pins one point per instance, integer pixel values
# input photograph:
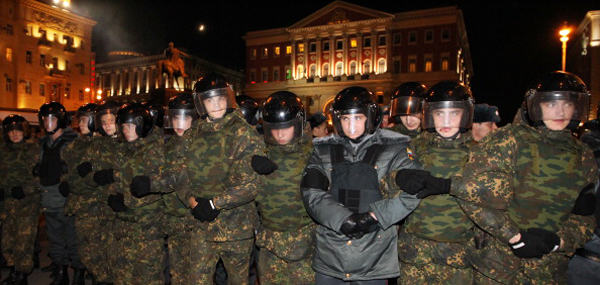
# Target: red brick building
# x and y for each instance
(343, 44)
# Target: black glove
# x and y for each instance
(2, 194)
(366, 223)
(117, 202)
(263, 165)
(204, 211)
(64, 189)
(140, 186)
(585, 205)
(17, 192)
(36, 170)
(435, 186)
(551, 240)
(64, 169)
(531, 245)
(104, 177)
(84, 169)
(350, 226)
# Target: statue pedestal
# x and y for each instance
(162, 95)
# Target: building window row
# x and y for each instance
(427, 63)
(428, 37)
(276, 52)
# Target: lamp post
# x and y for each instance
(564, 33)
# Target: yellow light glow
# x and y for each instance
(201, 28)
(99, 97)
(564, 39)
(99, 92)
(564, 32)
(66, 3)
(87, 89)
(56, 1)
(50, 65)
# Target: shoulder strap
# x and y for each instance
(337, 154)
(373, 153)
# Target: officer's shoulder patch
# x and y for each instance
(409, 153)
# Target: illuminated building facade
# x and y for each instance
(131, 76)
(343, 44)
(45, 55)
(583, 56)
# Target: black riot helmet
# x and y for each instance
(448, 95)
(210, 87)
(249, 107)
(554, 86)
(52, 110)
(354, 100)
(283, 110)
(157, 111)
(137, 114)
(15, 122)
(408, 99)
(87, 110)
(104, 108)
(179, 107)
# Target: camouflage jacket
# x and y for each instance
(143, 156)
(521, 177)
(439, 217)
(336, 255)
(74, 156)
(92, 198)
(400, 128)
(173, 181)
(218, 160)
(16, 163)
(280, 201)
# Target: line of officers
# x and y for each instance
(423, 201)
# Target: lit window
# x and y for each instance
(253, 53)
(412, 65)
(288, 73)
(265, 52)
(300, 47)
(300, 71)
(367, 66)
(9, 54)
(313, 70)
(325, 70)
(445, 62)
(339, 68)
(428, 65)
(277, 51)
(353, 68)
(288, 50)
(353, 43)
(381, 66)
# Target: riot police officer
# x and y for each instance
(406, 108)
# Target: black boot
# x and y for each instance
(8, 279)
(16, 278)
(78, 276)
(60, 275)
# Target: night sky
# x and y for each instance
(511, 42)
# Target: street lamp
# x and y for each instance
(99, 96)
(563, 38)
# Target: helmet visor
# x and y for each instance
(180, 119)
(448, 114)
(214, 103)
(106, 121)
(283, 133)
(405, 105)
(50, 122)
(563, 105)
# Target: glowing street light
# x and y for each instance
(99, 96)
(563, 38)
(201, 28)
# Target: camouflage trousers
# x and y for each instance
(178, 231)
(273, 270)
(96, 245)
(139, 250)
(206, 254)
(499, 265)
(429, 262)
(18, 240)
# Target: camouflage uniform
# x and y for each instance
(521, 177)
(286, 235)
(139, 230)
(20, 217)
(173, 181)
(434, 241)
(218, 162)
(88, 202)
(400, 128)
